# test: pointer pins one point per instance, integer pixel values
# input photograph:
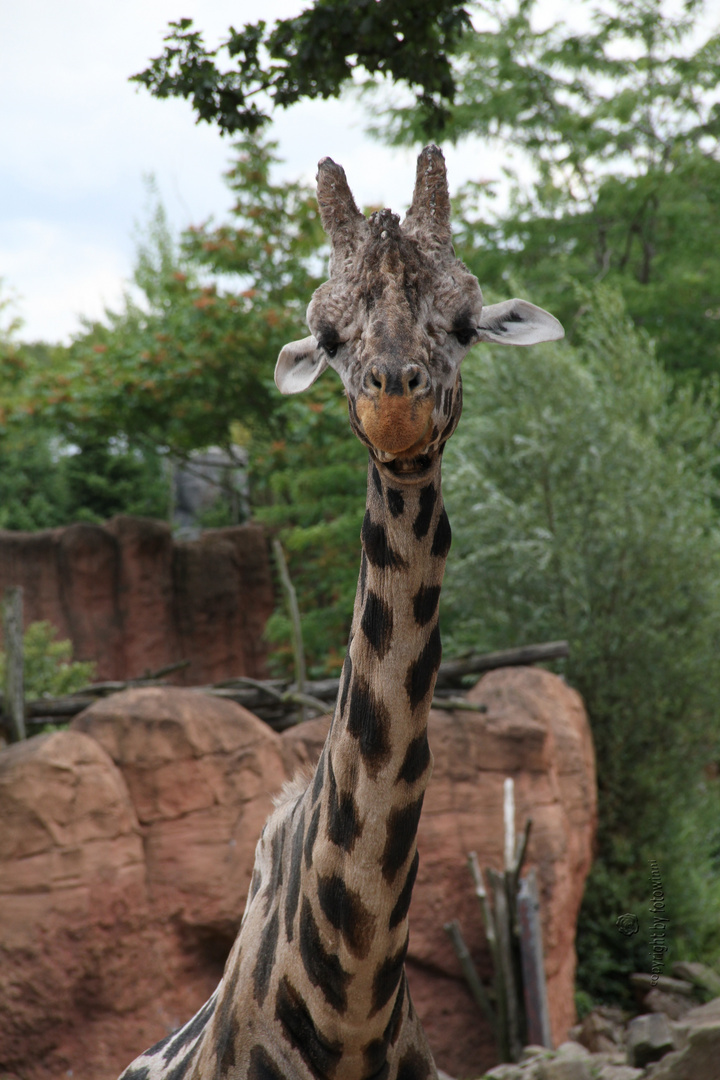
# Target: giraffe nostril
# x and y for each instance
(416, 378)
(375, 380)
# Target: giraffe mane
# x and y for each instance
(295, 787)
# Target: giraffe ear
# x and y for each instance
(298, 366)
(517, 322)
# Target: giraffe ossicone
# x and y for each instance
(314, 987)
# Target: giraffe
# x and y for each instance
(314, 986)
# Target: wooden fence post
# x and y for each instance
(14, 701)
(533, 968)
(512, 928)
(295, 624)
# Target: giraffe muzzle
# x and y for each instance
(395, 408)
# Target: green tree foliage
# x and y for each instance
(187, 359)
(33, 491)
(620, 125)
(670, 280)
(46, 482)
(314, 481)
(48, 664)
(54, 470)
(312, 56)
(106, 476)
(188, 362)
(29, 497)
(583, 497)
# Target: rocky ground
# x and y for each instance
(676, 1039)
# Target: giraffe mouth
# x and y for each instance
(405, 467)
(394, 425)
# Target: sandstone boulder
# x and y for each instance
(701, 976)
(200, 772)
(72, 887)
(602, 1030)
(649, 1037)
(125, 857)
(128, 850)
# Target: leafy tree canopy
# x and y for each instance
(53, 468)
(629, 90)
(582, 488)
(621, 125)
(186, 363)
(653, 237)
(180, 365)
(619, 122)
(312, 56)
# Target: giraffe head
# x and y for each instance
(396, 317)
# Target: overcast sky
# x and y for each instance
(76, 139)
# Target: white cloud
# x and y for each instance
(76, 139)
(71, 275)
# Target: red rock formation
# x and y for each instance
(200, 772)
(133, 600)
(72, 888)
(128, 847)
(125, 856)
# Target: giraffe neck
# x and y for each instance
(314, 987)
(368, 790)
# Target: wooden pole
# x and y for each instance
(481, 893)
(509, 822)
(533, 969)
(12, 618)
(299, 651)
(478, 991)
(507, 1005)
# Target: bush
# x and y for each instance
(583, 498)
(48, 665)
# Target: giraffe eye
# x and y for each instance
(330, 347)
(464, 335)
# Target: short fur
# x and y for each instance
(314, 987)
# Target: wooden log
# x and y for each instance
(457, 705)
(509, 1018)
(14, 691)
(537, 1014)
(454, 670)
(472, 978)
(50, 709)
(277, 702)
